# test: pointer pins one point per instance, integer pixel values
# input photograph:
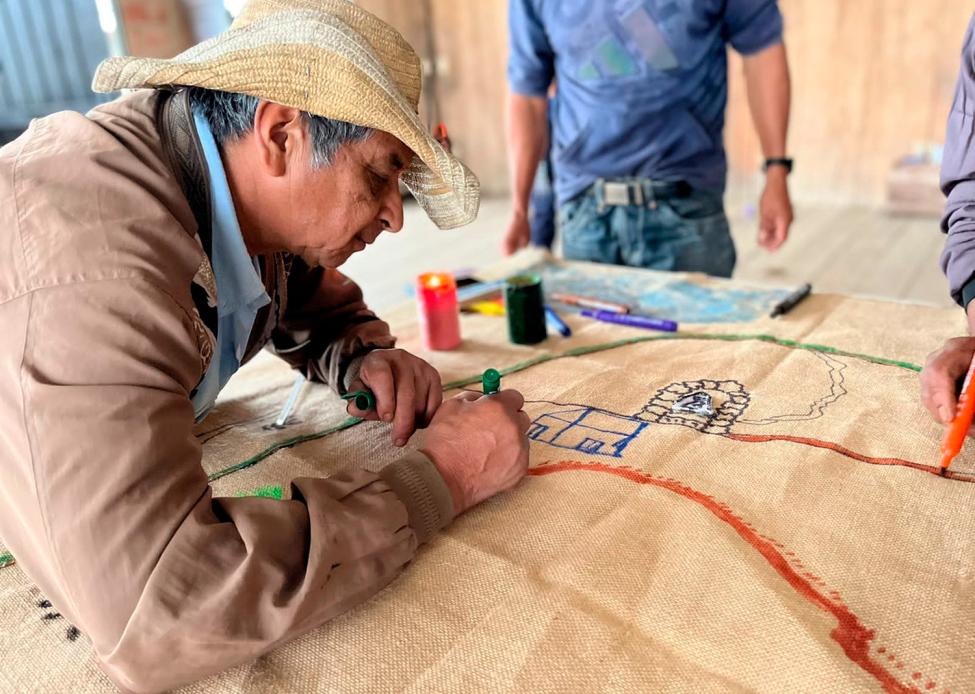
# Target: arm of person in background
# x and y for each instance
(754, 29)
(767, 83)
(120, 528)
(943, 369)
(531, 69)
(329, 333)
(527, 141)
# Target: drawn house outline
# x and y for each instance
(589, 430)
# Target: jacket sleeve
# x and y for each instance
(326, 325)
(958, 180)
(170, 583)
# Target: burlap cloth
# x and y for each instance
(794, 540)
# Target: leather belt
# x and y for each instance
(638, 191)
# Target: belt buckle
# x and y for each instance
(616, 193)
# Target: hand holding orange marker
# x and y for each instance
(958, 429)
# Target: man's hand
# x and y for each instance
(407, 389)
(939, 379)
(518, 234)
(478, 443)
(775, 211)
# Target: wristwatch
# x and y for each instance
(778, 161)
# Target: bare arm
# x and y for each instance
(769, 94)
(527, 141)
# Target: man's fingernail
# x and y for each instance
(387, 416)
(401, 442)
(945, 413)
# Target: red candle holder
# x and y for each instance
(436, 297)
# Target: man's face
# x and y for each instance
(339, 209)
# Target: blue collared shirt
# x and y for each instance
(641, 84)
(240, 291)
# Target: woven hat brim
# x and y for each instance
(341, 77)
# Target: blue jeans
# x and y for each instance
(687, 232)
(541, 207)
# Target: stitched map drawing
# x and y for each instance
(745, 507)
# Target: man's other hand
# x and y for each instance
(407, 390)
(517, 236)
(479, 444)
(939, 379)
(775, 211)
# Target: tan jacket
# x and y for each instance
(103, 499)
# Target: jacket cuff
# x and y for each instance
(968, 293)
(351, 373)
(422, 489)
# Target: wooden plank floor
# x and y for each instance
(854, 250)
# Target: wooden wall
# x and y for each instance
(470, 41)
(871, 78)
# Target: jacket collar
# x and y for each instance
(181, 142)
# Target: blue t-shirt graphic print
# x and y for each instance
(641, 84)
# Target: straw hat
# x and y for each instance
(327, 57)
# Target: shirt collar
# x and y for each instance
(238, 278)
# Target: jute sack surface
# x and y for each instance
(794, 540)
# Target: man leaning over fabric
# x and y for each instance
(149, 248)
(636, 141)
(945, 367)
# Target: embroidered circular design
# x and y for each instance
(672, 404)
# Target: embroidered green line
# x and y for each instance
(269, 491)
(7, 559)
(590, 349)
(578, 352)
(287, 443)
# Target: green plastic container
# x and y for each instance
(524, 304)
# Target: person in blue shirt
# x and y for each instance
(636, 127)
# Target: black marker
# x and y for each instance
(790, 302)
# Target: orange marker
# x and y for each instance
(958, 430)
(441, 136)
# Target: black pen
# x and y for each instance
(790, 302)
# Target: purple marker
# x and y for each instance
(632, 320)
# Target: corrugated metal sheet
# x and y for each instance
(48, 53)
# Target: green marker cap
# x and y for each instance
(364, 399)
(491, 381)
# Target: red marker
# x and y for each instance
(958, 429)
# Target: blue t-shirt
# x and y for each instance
(641, 84)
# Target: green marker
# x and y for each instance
(364, 399)
(491, 381)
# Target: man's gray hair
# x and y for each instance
(231, 116)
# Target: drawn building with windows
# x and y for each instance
(586, 429)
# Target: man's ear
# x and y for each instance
(279, 136)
